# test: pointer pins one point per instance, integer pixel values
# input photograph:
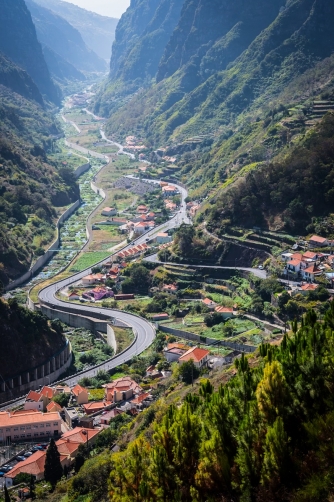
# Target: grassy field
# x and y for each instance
(88, 259)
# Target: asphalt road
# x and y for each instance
(144, 330)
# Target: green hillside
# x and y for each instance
(31, 188)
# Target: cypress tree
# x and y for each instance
(32, 487)
(7, 497)
(53, 470)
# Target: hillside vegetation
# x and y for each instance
(261, 431)
(31, 187)
(287, 194)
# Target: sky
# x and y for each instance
(111, 8)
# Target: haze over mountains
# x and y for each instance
(98, 32)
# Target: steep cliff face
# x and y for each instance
(57, 34)
(212, 34)
(141, 37)
(142, 59)
(16, 79)
(61, 70)
(130, 28)
(210, 91)
(98, 32)
(18, 41)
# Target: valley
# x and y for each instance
(166, 252)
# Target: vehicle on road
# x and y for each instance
(260, 267)
(20, 458)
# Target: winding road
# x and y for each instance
(144, 331)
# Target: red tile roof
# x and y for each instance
(309, 287)
(310, 255)
(79, 435)
(53, 407)
(295, 263)
(32, 465)
(34, 396)
(47, 392)
(196, 354)
(316, 238)
(122, 384)
(140, 398)
(207, 301)
(96, 406)
(12, 419)
(78, 390)
(224, 309)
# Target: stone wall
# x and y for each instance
(44, 374)
(81, 169)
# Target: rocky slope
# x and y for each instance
(18, 41)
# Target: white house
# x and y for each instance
(163, 238)
(316, 241)
(109, 211)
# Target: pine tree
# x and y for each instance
(7, 497)
(53, 470)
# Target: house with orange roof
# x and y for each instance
(109, 211)
(311, 272)
(171, 206)
(163, 238)
(174, 351)
(80, 394)
(34, 401)
(142, 209)
(317, 241)
(139, 400)
(310, 255)
(81, 435)
(294, 266)
(169, 190)
(94, 407)
(51, 407)
(122, 389)
(209, 303)
(170, 288)
(110, 415)
(306, 288)
(33, 465)
(197, 355)
(226, 312)
(90, 279)
(68, 448)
